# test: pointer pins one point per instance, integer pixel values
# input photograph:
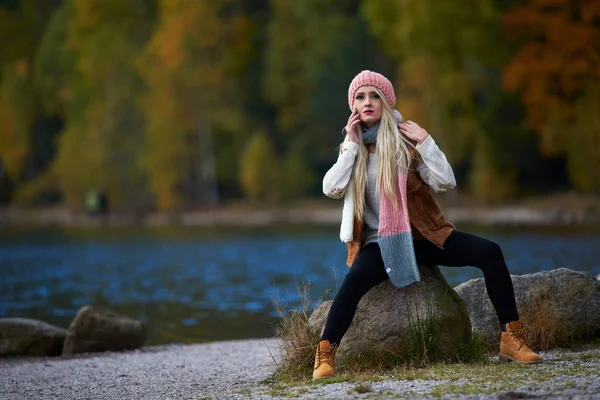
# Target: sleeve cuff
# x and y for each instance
(350, 145)
(426, 147)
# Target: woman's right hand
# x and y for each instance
(350, 128)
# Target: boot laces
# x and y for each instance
(518, 336)
(326, 355)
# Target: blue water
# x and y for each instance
(196, 285)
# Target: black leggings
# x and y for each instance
(460, 249)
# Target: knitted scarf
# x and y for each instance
(370, 134)
(395, 236)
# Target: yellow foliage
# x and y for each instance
(191, 94)
(430, 40)
(259, 169)
(297, 175)
(98, 42)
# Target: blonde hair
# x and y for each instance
(393, 155)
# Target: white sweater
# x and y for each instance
(433, 168)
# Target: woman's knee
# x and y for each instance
(358, 281)
(351, 280)
(493, 250)
(490, 254)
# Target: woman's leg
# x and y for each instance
(366, 273)
(463, 249)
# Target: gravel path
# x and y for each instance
(238, 370)
(213, 370)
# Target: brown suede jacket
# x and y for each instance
(426, 217)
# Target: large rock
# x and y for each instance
(95, 330)
(556, 306)
(393, 320)
(30, 337)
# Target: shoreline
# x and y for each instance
(544, 212)
(242, 369)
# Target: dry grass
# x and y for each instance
(298, 343)
(547, 328)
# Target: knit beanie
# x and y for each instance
(370, 78)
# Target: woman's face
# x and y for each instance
(369, 105)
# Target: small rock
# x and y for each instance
(30, 337)
(95, 330)
(559, 302)
(387, 316)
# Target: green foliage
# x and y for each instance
(155, 100)
(488, 180)
(192, 97)
(448, 60)
(297, 174)
(314, 49)
(54, 63)
(86, 71)
(441, 52)
(16, 114)
(21, 27)
(259, 169)
(583, 142)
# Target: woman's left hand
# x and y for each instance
(413, 131)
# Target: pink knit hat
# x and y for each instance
(370, 78)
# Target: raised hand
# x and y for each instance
(413, 131)
(353, 122)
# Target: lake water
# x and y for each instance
(195, 285)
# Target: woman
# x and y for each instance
(391, 222)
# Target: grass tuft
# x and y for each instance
(298, 342)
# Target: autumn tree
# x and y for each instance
(87, 73)
(441, 52)
(314, 49)
(190, 67)
(555, 71)
(23, 132)
(448, 61)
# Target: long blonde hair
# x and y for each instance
(393, 155)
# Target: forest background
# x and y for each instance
(172, 105)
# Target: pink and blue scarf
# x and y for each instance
(395, 234)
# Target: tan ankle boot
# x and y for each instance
(325, 360)
(513, 346)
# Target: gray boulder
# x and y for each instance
(556, 306)
(30, 337)
(95, 330)
(393, 321)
